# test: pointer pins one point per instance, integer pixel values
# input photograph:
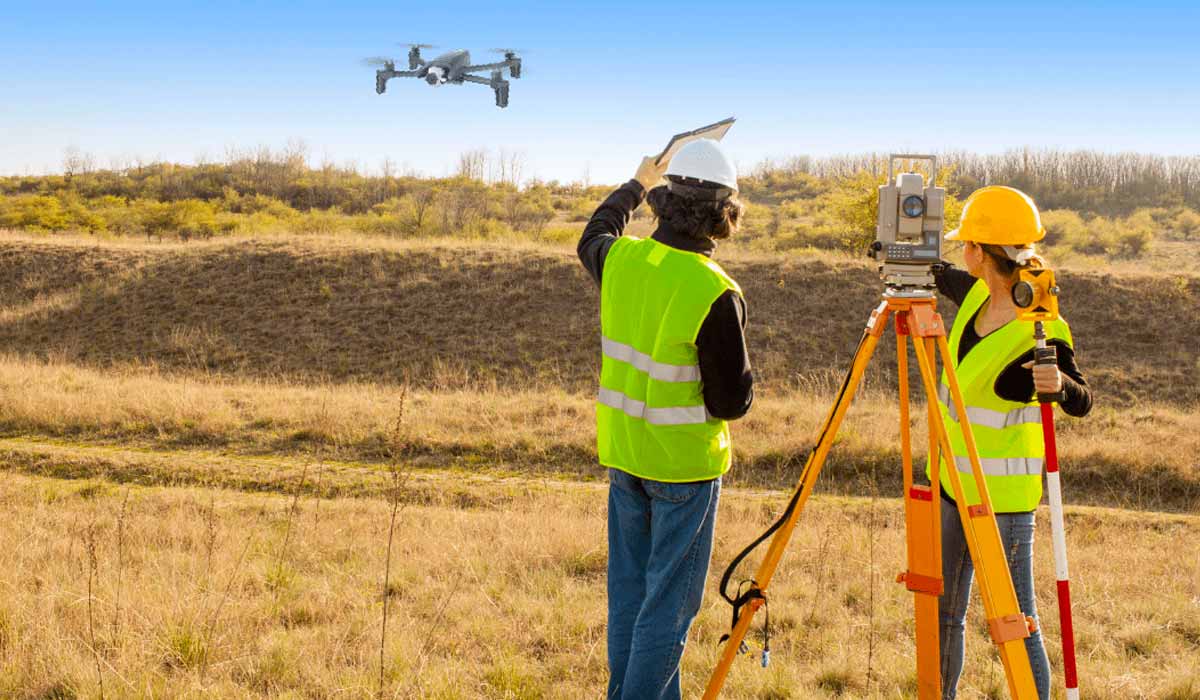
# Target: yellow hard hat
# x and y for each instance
(999, 216)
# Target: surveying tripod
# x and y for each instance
(916, 315)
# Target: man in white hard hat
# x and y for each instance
(674, 370)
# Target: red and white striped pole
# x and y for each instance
(1046, 355)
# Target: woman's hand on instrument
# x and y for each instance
(650, 173)
(1046, 378)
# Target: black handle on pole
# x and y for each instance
(1045, 354)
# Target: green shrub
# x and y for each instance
(34, 212)
(1133, 242)
(583, 209)
(318, 221)
(1062, 225)
(1134, 234)
(510, 677)
(1187, 224)
(186, 647)
(836, 682)
(1096, 237)
(854, 203)
(1130, 237)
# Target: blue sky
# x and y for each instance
(606, 81)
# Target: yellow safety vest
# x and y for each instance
(1007, 433)
(650, 415)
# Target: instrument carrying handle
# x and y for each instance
(1048, 355)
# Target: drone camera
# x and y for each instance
(908, 233)
(436, 75)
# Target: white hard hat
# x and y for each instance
(704, 160)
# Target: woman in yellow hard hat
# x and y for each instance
(993, 355)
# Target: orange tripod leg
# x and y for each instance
(922, 518)
(1008, 626)
(1009, 629)
(812, 470)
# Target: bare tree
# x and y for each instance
(511, 166)
(473, 164)
(77, 162)
(387, 170)
(421, 200)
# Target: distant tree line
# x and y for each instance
(266, 190)
(284, 175)
(1113, 205)
(1089, 182)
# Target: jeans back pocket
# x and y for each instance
(674, 493)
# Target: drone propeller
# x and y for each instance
(378, 61)
(417, 46)
(509, 52)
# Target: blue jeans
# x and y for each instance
(1016, 532)
(659, 542)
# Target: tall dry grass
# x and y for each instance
(1140, 456)
(505, 598)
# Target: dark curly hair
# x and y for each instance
(697, 218)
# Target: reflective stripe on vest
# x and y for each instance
(1003, 466)
(661, 371)
(678, 415)
(986, 417)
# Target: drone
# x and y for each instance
(452, 68)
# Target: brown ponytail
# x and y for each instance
(1006, 265)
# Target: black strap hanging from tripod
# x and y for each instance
(754, 592)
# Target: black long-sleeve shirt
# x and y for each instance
(725, 376)
(1015, 383)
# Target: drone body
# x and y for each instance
(453, 68)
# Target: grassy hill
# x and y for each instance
(440, 313)
(233, 461)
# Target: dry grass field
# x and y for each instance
(194, 592)
(202, 448)
(63, 420)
